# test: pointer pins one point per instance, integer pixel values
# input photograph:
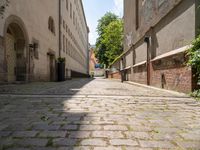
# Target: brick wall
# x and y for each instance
(116, 75)
(139, 74)
(171, 73)
(177, 79)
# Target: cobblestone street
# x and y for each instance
(99, 114)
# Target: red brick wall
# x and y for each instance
(176, 75)
(115, 75)
(139, 74)
(177, 79)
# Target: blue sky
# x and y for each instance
(95, 9)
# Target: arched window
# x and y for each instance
(51, 25)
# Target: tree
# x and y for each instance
(105, 21)
(3, 5)
(112, 39)
(109, 42)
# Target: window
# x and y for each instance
(66, 28)
(51, 25)
(137, 14)
(63, 43)
(70, 10)
(66, 45)
(67, 4)
(64, 24)
(73, 18)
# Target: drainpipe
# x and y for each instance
(59, 27)
(147, 40)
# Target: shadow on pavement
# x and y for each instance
(34, 123)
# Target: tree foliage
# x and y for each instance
(112, 39)
(109, 42)
(194, 59)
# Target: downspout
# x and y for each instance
(59, 27)
(147, 40)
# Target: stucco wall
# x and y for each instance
(79, 34)
(35, 19)
(129, 59)
(177, 29)
(141, 53)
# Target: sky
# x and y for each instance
(95, 9)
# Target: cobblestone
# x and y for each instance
(93, 142)
(100, 115)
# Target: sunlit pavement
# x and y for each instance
(99, 114)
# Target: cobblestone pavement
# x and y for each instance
(98, 114)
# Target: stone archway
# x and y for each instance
(16, 50)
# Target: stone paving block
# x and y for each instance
(70, 119)
(165, 136)
(107, 134)
(69, 127)
(79, 134)
(189, 136)
(90, 127)
(4, 133)
(31, 142)
(46, 127)
(6, 142)
(115, 128)
(102, 122)
(156, 144)
(53, 134)
(3, 126)
(141, 128)
(189, 144)
(138, 135)
(18, 148)
(65, 142)
(108, 148)
(123, 142)
(24, 134)
(93, 142)
(136, 148)
(82, 148)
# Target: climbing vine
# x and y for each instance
(194, 61)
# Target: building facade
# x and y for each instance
(95, 68)
(157, 34)
(31, 39)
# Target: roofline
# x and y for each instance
(84, 16)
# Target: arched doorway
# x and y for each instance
(15, 52)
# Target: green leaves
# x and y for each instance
(109, 42)
(194, 60)
(194, 55)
